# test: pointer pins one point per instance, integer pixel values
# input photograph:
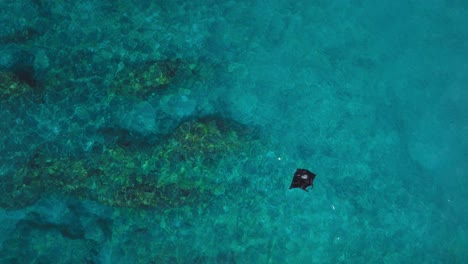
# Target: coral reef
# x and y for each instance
(155, 76)
(145, 79)
(183, 170)
(11, 86)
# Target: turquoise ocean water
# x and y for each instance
(169, 131)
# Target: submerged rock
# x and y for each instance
(11, 86)
(182, 170)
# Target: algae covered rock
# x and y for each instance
(11, 86)
(147, 78)
(183, 169)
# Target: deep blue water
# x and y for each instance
(169, 131)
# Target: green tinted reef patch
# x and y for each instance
(143, 80)
(155, 76)
(11, 86)
(197, 153)
(210, 139)
(184, 169)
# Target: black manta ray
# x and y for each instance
(303, 179)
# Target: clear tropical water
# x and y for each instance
(169, 131)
